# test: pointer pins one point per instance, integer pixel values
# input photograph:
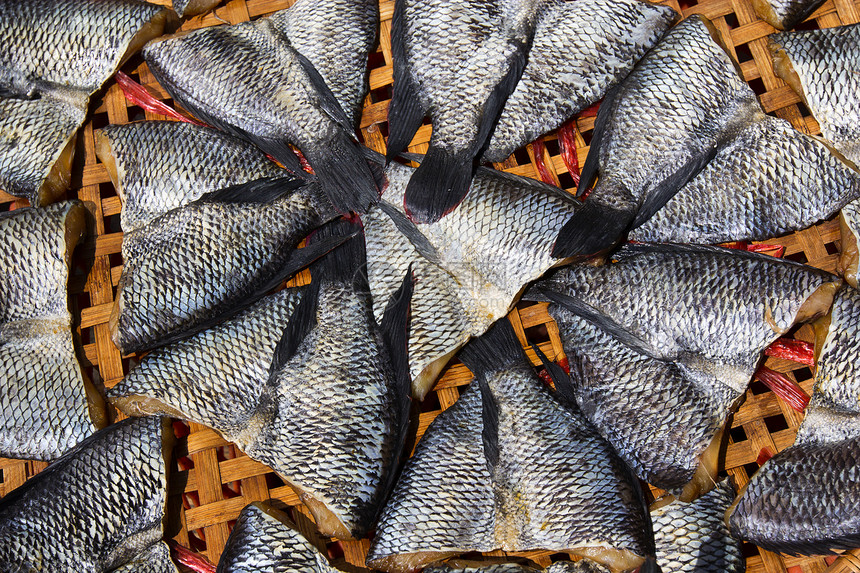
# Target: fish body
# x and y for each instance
(580, 50)
(248, 80)
(157, 166)
(649, 141)
(155, 559)
(49, 403)
(663, 342)
(469, 266)
(806, 498)
(438, 47)
(785, 14)
(336, 36)
(263, 541)
(93, 510)
(48, 71)
(694, 538)
(769, 180)
(510, 467)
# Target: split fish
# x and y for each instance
(438, 47)
(97, 509)
(48, 71)
(805, 499)
(655, 131)
(249, 80)
(323, 399)
(470, 266)
(265, 541)
(580, 50)
(510, 467)
(336, 36)
(49, 403)
(663, 341)
(785, 14)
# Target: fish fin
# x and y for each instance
(490, 419)
(593, 228)
(650, 565)
(9, 93)
(563, 383)
(302, 321)
(410, 231)
(670, 187)
(346, 263)
(590, 166)
(264, 190)
(405, 112)
(344, 174)
(496, 350)
(408, 155)
(438, 185)
(496, 101)
(327, 102)
(822, 547)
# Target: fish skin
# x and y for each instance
(263, 541)
(187, 8)
(162, 165)
(649, 141)
(248, 80)
(155, 559)
(827, 67)
(694, 538)
(48, 71)
(438, 47)
(768, 181)
(337, 47)
(785, 14)
(694, 321)
(580, 50)
(473, 263)
(45, 396)
(548, 482)
(196, 262)
(94, 509)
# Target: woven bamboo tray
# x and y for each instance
(211, 481)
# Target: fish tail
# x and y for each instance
(650, 566)
(404, 118)
(592, 229)
(344, 174)
(438, 185)
(346, 262)
(496, 350)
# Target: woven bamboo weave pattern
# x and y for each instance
(211, 481)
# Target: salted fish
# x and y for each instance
(336, 36)
(49, 404)
(805, 499)
(96, 508)
(770, 180)
(663, 342)
(580, 51)
(157, 166)
(202, 262)
(655, 131)
(438, 47)
(324, 405)
(249, 80)
(470, 266)
(694, 538)
(510, 467)
(785, 14)
(265, 541)
(48, 71)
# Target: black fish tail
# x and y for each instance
(650, 566)
(496, 350)
(343, 174)
(263, 190)
(347, 262)
(405, 115)
(438, 185)
(592, 229)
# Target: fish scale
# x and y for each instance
(156, 559)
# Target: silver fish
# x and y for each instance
(49, 404)
(157, 166)
(336, 36)
(96, 508)
(806, 498)
(470, 266)
(766, 182)
(438, 47)
(248, 80)
(156, 559)
(265, 541)
(580, 50)
(675, 335)
(199, 263)
(48, 71)
(694, 538)
(655, 131)
(510, 467)
(785, 14)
